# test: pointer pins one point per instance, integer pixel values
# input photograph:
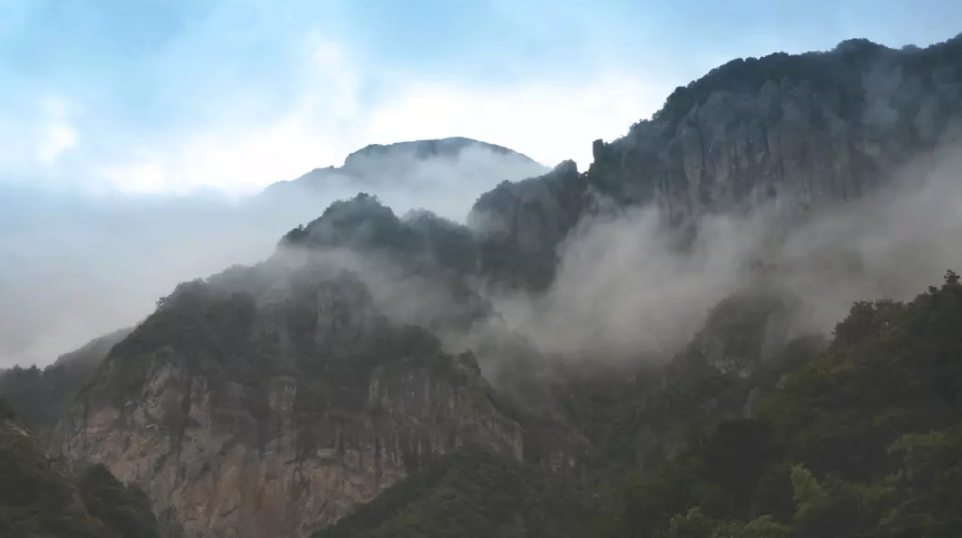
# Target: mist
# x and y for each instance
(75, 266)
(404, 180)
(625, 289)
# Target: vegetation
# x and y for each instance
(838, 71)
(474, 494)
(505, 217)
(860, 436)
(39, 396)
(863, 440)
(122, 511)
(40, 497)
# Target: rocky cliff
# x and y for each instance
(270, 400)
(274, 413)
(798, 130)
(795, 131)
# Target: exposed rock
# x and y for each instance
(793, 130)
(270, 402)
(519, 225)
(789, 130)
(230, 447)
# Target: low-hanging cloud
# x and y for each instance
(625, 288)
(79, 268)
(447, 184)
(75, 267)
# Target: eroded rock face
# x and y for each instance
(272, 416)
(799, 140)
(789, 132)
(519, 225)
(213, 469)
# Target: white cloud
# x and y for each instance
(144, 177)
(548, 120)
(59, 137)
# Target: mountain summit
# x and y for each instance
(649, 341)
(415, 162)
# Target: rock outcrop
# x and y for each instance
(245, 417)
(269, 401)
(519, 225)
(794, 131)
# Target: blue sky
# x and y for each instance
(155, 96)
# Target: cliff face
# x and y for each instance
(519, 225)
(230, 474)
(273, 416)
(793, 131)
(796, 130)
(269, 401)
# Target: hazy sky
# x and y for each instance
(175, 95)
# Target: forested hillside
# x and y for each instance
(639, 350)
(863, 440)
(45, 497)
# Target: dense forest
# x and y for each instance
(859, 437)
(853, 434)
(39, 396)
(44, 497)
(863, 440)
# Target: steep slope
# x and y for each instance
(474, 494)
(863, 440)
(800, 130)
(41, 497)
(520, 225)
(794, 131)
(274, 399)
(268, 401)
(39, 396)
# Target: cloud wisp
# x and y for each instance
(625, 289)
(73, 267)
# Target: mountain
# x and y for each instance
(861, 439)
(268, 401)
(53, 244)
(474, 494)
(645, 348)
(444, 175)
(792, 131)
(43, 497)
(40, 396)
(401, 162)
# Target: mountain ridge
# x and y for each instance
(367, 163)
(307, 376)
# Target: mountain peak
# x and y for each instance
(421, 165)
(425, 149)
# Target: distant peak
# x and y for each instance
(376, 163)
(440, 147)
